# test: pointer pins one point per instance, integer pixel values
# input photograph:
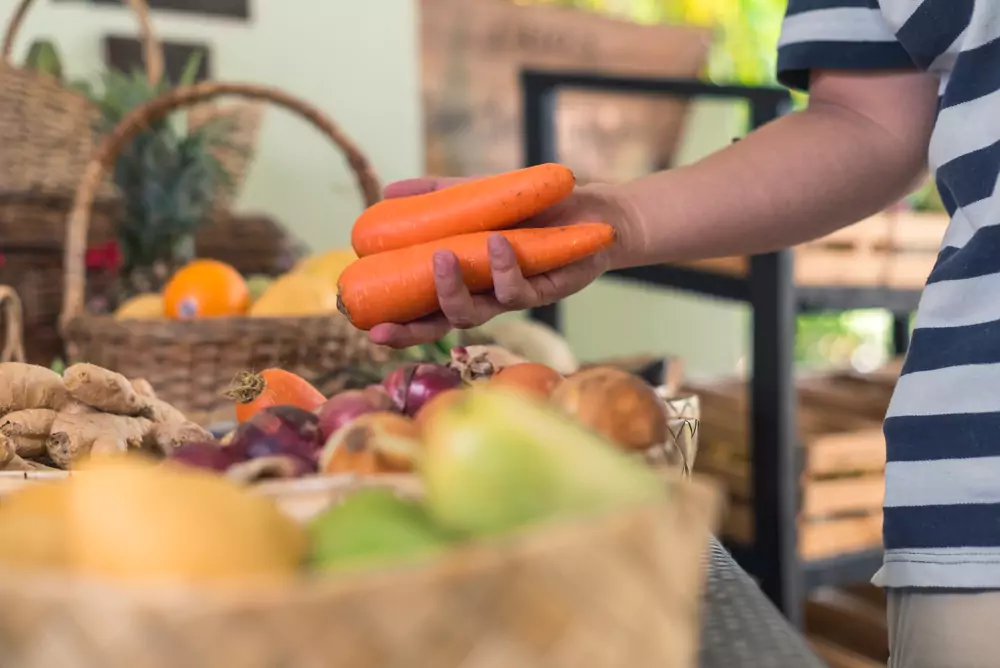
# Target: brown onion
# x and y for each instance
(615, 404)
(373, 443)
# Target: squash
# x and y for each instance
(296, 295)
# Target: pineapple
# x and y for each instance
(168, 179)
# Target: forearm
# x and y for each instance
(796, 179)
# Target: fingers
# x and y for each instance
(418, 186)
(511, 289)
(420, 331)
(458, 305)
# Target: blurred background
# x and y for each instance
(429, 86)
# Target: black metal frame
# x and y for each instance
(770, 291)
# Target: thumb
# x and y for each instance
(418, 186)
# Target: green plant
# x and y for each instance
(168, 177)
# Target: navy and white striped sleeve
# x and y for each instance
(835, 35)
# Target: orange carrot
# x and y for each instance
(487, 204)
(254, 392)
(398, 286)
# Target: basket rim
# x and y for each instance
(481, 555)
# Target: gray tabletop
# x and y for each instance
(741, 628)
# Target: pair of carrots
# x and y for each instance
(393, 279)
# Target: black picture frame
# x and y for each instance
(126, 54)
(228, 9)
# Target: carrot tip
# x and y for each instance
(342, 308)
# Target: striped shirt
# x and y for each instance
(942, 499)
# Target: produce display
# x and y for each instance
(206, 288)
(51, 421)
(287, 429)
(393, 279)
(491, 459)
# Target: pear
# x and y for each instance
(372, 527)
(495, 461)
(137, 522)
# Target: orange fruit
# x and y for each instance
(205, 289)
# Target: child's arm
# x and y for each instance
(858, 147)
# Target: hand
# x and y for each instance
(511, 290)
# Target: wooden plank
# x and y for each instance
(840, 536)
(836, 656)
(851, 452)
(874, 596)
(849, 622)
(817, 539)
(472, 52)
(839, 496)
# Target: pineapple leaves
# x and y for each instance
(168, 177)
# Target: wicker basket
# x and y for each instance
(623, 590)
(253, 244)
(191, 362)
(47, 133)
(236, 156)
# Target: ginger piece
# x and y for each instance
(77, 435)
(166, 437)
(143, 388)
(20, 464)
(7, 452)
(159, 410)
(30, 386)
(28, 429)
(103, 389)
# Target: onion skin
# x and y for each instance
(373, 443)
(410, 386)
(614, 403)
(535, 380)
(345, 407)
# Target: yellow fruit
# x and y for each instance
(33, 527)
(296, 295)
(140, 523)
(328, 265)
(141, 307)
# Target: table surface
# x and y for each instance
(741, 628)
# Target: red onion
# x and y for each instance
(411, 386)
(342, 409)
(206, 455)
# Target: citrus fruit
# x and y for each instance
(205, 289)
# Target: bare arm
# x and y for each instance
(859, 147)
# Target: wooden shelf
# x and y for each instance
(893, 250)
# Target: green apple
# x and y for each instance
(372, 527)
(495, 461)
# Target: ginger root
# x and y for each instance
(103, 389)
(143, 388)
(78, 434)
(28, 429)
(168, 436)
(30, 386)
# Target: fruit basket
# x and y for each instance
(523, 538)
(191, 362)
(47, 134)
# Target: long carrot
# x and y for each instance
(487, 204)
(253, 392)
(398, 286)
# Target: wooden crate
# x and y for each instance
(893, 249)
(847, 628)
(842, 456)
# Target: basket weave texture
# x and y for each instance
(191, 362)
(47, 135)
(623, 590)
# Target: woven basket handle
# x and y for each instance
(13, 318)
(107, 152)
(152, 47)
